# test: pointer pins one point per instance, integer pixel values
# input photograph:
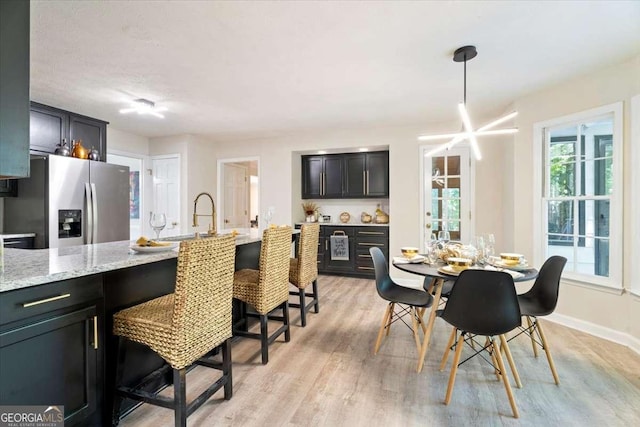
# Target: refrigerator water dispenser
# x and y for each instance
(69, 223)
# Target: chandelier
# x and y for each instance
(464, 54)
(144, 106)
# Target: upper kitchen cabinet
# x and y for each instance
(366, 175)
(346, 176)
(322, 177)
(14, 87)
(92, 133)
(50, 125)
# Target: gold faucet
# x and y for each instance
(212, 227)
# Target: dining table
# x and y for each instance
(435, 279)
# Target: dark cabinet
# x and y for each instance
(342, 176)
(54, 357)
(361, 239)
(14, 87)
(322, 177)
(365, 239)
(366, 175)
(332, 265)
(8, 188)
(19, 242)
(50, 125)
(92, 133)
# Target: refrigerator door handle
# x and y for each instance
(94, 201)
(88, 233)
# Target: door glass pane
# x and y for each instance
(453, 165)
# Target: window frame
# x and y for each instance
(541, 168)
(634, 273)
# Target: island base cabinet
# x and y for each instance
(53, 362)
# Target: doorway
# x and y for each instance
(137, 193)
(446, 194)
(238, 186)
(166, 192)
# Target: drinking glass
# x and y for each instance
(479, 244)
(432, 249)
(444, 236)
(157, 221)
(489, 246)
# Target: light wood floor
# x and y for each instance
(328, 376)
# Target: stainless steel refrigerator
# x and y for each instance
(68, 201)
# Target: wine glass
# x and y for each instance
(432, 250)
(479, 244)
(157, 221)
(489, 246)
(444, 236)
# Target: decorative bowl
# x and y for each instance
(409, 252)
(459, 264)
(511, 258)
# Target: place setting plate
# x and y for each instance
(165, 247)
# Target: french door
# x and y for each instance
(446, 194)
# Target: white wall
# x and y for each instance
(591, 308)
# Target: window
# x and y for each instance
(581, 187)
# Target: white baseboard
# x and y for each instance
(596, 330)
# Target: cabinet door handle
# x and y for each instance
(364, 182)
(43, 301)
(324, 184)
(95, 332)
(326, 248)
(367, 183)
(378, 233)
(364, 256)
(366, 268)
(371, 244)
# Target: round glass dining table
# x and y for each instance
(434, 287)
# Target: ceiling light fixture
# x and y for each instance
(144, 106)
(464, 54)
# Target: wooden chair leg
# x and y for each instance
(180, 397)
(414, 327)
(432, 318)
(383, 326)
(505, 379)
(531, 330)
(303, 308)
(447, 350)
(227, 369)
(264, 339)
(315, 295)
(393, 305)
(545, 346)
(454, 369)
(507, 351)
(487, 345)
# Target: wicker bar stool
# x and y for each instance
(184, 326)
(267, 289)
(303, 270)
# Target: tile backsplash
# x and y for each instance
(355, 207)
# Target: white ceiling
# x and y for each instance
(236, 70)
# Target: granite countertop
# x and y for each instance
(30, 267)
(349, 224)
(16, 235)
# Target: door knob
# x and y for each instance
(428, 213)
(428, 225)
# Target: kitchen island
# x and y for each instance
(56, 308)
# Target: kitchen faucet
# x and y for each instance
(212, 226)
